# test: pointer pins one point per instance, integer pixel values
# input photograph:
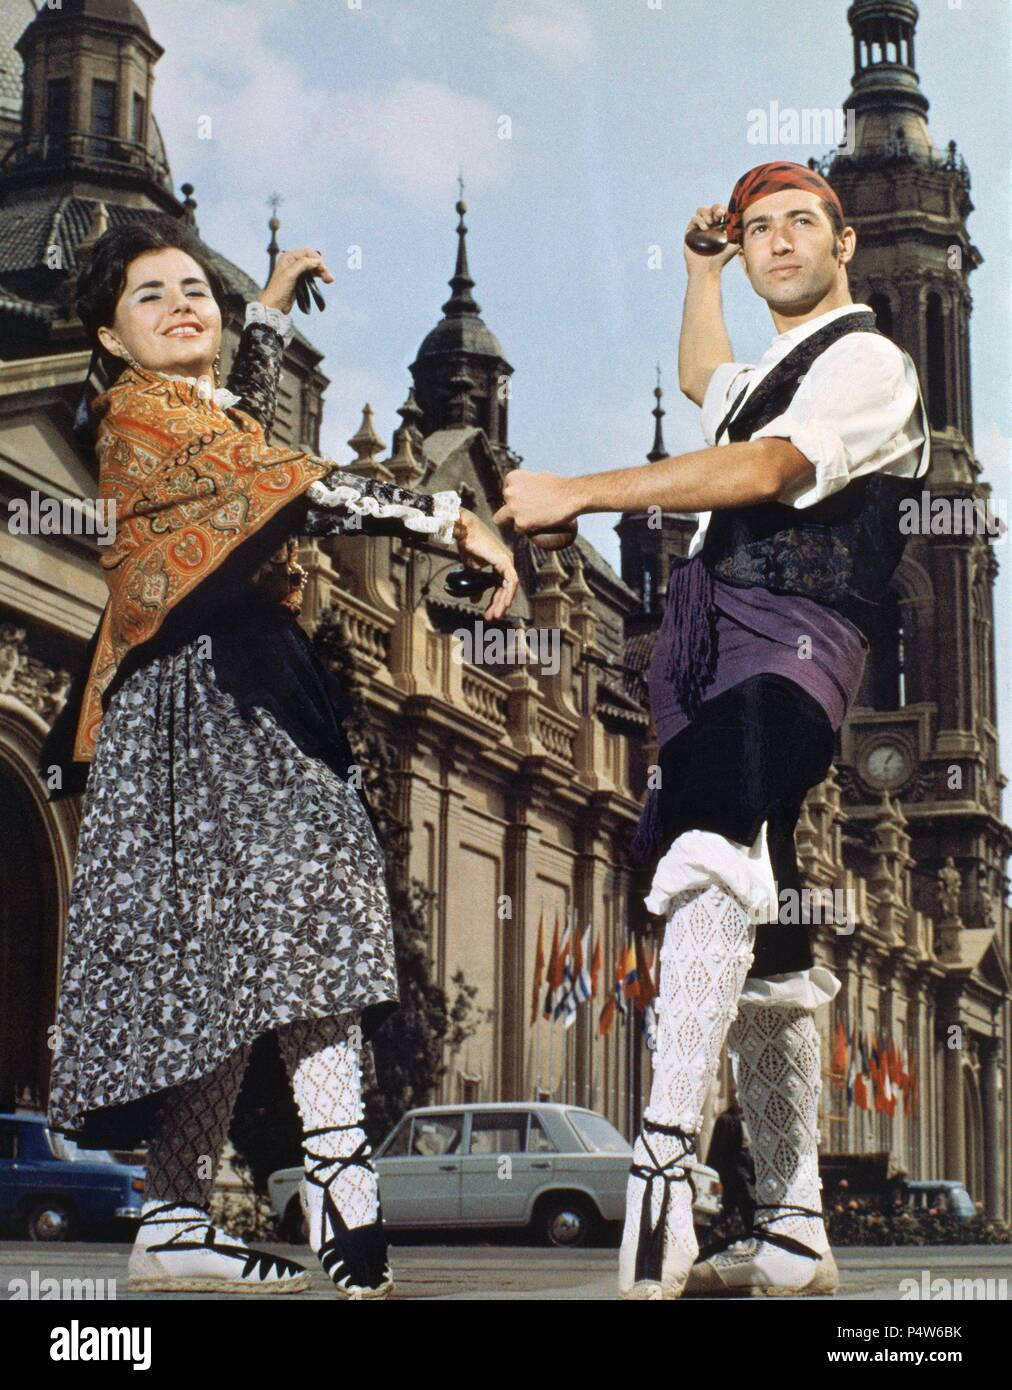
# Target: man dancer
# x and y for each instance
(759, 656)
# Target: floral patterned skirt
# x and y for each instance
(225, 882)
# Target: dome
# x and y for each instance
(466, 333)
(113, 11)
(15, 17)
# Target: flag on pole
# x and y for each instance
(573, 998)
(839, 1064)
(565, 986)
(615, 1003)
(582, 986)
(852, 1067)
(595, 968)
(539, 969)
(860, 1086)
(888, 1094)
(874, 1071)
(630, 980)
(646, 994)
(622, 965)
(553, 961)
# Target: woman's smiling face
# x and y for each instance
(166, 317)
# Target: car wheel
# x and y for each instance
(294, 1229)
(567, 1222)
(49, 1220)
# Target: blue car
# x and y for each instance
(52, 1190)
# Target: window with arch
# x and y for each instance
(883, 309)
(938, 406)
(885, 675)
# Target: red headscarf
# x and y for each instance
(771, 178)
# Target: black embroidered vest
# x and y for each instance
(843, 550)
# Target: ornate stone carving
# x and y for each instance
(36, 685)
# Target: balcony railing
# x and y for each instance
(103, 153)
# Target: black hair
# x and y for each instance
(103, 278)
(835, 218)
(100, 284)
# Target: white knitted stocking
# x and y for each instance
(704, 960)
(779, 1082)
(323, 1060)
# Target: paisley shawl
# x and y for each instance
(190, 482)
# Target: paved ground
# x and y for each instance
(516, 1272)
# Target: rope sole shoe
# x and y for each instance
(198, 1258)
(658, 1243)
(759, 1269)
(353, 1258)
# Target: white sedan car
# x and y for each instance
(559, 1170)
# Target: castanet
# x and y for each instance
(707, 241)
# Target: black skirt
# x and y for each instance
(750, 755)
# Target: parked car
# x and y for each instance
(52, 1190)
(940, 1194)
(559, 1171)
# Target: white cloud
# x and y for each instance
(269, 123)
(556, 30)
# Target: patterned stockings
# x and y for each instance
(779, 1083)
(323, 1059)
(190, 1128)
(705, 958)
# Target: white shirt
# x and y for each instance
(858, 409)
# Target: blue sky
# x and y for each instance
(621, 116)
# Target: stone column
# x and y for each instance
(955, 1135)
(993, 1147)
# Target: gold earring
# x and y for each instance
(214, 368)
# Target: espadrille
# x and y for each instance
(178, 1250)
(355, 1259)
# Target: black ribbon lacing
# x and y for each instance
(761, 1231)
(650, 1250)
(259, 1262)
(358, 1256)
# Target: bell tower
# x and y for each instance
(924, 725)
(87, 126)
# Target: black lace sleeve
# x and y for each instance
(256, 371)
(345, 504)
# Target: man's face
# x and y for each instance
(788, 245)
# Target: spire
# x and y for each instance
(889, 107)
(189, 204)
(273, 202)
(461, 301)
(658, 451)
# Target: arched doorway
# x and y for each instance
(29, 943)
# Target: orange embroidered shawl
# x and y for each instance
(190, 483)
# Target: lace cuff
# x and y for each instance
(273, 318)
(351, 499)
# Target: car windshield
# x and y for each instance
(66, 1149)
(598, 1133)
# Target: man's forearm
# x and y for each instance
(703, 343)
(708, 479)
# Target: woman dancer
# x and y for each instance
(228, 880)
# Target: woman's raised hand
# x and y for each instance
(478, 546)
(280, 291)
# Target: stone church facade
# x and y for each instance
(522, 781)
